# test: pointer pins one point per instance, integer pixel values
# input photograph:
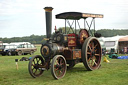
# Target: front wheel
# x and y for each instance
(34, 66)
(58, 67)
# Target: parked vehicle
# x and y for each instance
(24, 49)
(21, 48)
(7, 49)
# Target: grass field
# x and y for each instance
(113, 73)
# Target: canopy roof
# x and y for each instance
(77, 15)
(123, 39)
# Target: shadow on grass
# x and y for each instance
(47, 76)
(77, 69)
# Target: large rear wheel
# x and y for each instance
(91, 53)
(58, 67)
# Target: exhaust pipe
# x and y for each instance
(48, 14)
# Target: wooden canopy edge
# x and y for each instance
(84, 15)
(77, 15)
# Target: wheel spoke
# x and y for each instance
(89, 53)
(95, 62)
(35, 71)
(95, 45)
(90, 48)
(95, 50)
(61, 61)
(89, 59)
(33, 64)
(56, 72)
(56, 69)
(92, 44)
(97, 54)
(92, 61)
(57, 63)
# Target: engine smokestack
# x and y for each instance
(48, 14)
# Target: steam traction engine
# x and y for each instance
(63, 50)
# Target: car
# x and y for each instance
(2, 50)
(7, 49)
(24, 49)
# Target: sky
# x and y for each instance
(20, 18)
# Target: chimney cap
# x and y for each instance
(48, 9)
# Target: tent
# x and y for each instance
(123, 44)
(116, 42)
(123, 39)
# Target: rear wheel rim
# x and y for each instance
(91, 53)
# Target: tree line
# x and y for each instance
(34, 39)
(113, 32)
(39, 39)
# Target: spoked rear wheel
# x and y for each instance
(91, 53)
(58, 67)
(34, 66)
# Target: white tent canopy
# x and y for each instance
(112, 42)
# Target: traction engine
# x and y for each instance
(63, 50)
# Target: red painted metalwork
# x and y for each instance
(72, 40)
(83, 34)
(76, 53)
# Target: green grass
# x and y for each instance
(113, 73)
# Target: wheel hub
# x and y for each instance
(93, 53)
(59, 67)
(36, 66)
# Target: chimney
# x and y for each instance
(48, 14)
